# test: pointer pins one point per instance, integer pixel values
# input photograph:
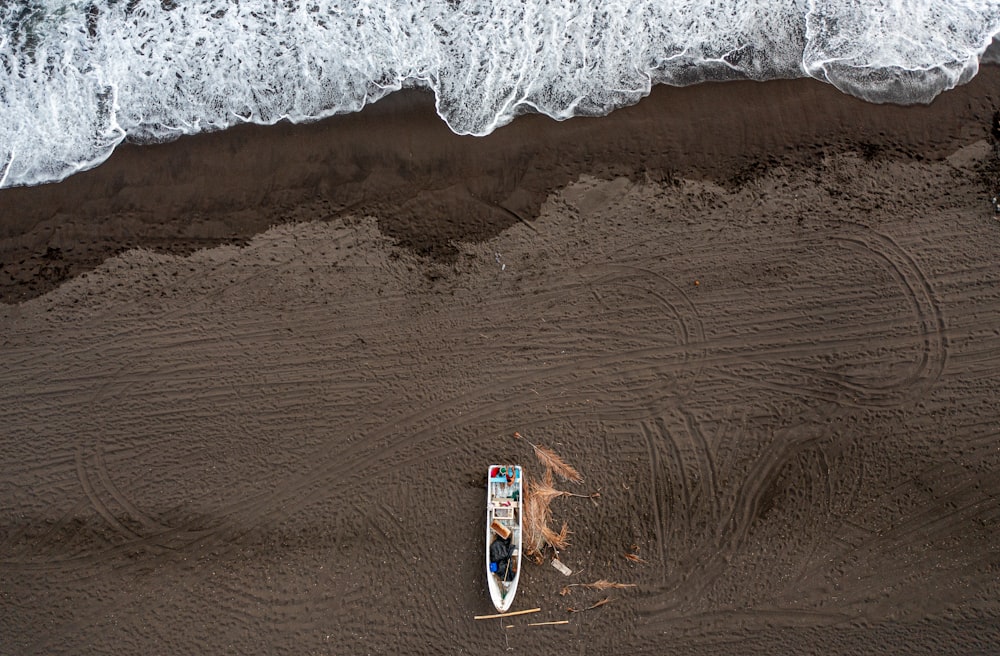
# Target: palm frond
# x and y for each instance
(595, 605)
(558, 540)
(536, 505)
(551, 461)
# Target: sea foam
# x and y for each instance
(77, 78)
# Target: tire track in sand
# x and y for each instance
(375, 449)
(927, 312)
(885, 388)
(930, 526)
(684, 498)
(714, 532)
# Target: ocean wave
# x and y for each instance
(79, 77)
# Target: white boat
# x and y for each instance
(504, 498)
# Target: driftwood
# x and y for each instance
(512, 626)
(516, 612)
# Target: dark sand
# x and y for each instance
(763, 321)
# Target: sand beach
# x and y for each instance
(250, 381)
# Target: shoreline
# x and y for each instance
(430, 187)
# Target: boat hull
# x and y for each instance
(504, 525)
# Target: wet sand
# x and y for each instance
(251, 381)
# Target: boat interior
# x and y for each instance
(504, 510)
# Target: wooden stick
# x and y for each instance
(517, 612)
(514, 626)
